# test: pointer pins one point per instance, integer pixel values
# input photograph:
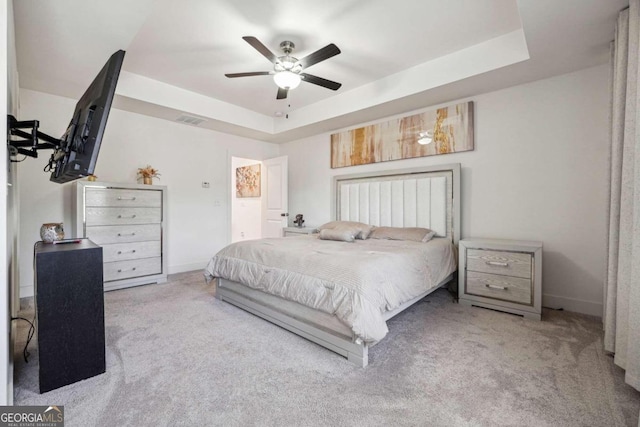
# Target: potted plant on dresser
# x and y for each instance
(147, 174)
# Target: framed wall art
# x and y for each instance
(248, 181)
(440, 131)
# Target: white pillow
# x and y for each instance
(414, 234)
(360, 229)
(343, 235)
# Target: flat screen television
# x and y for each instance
(77, 154)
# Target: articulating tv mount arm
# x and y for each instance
(29, 143)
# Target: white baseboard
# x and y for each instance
(173, 269)
(26, 291)
(573, 304)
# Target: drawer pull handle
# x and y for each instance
(497, 263)
(126, 198)
(133, 252)
(121, 270)
(132, 216)
(121, 235)
(500, 288)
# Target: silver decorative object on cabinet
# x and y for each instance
(52, 232)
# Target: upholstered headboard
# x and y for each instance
(425, 197)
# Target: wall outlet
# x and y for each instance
(205, 184)
(242, 234)
(217, 203)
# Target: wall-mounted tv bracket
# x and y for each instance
(28, 143)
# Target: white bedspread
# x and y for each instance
(357, 282)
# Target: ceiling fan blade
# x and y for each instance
(329, 84)
(257, 45)
(254, 73)
(282, 93)
(319, 55)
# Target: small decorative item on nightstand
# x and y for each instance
(503, 275)
(298, 231)
(299, 221)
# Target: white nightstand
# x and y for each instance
(298, 231)
(503, 275)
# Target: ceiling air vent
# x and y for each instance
(190, 120)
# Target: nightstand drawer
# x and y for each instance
(298, 231)
(505, 288)
(515, 264)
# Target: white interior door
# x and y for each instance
(275, 203)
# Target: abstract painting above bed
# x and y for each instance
(441, 131)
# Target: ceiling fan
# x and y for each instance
(287, 70)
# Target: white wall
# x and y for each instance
(13, 107)
(8, 98)
(538, 172)
(246, 212)
(198, 218)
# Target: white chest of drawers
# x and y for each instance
(129, 222)
(503, 275)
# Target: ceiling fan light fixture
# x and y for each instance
(287, 79)
(288, 62)
(288, 70)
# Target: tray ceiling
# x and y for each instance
(396, 56)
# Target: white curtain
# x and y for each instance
(622, 287)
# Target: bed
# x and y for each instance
(340, 294)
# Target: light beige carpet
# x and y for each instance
(177, 356)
